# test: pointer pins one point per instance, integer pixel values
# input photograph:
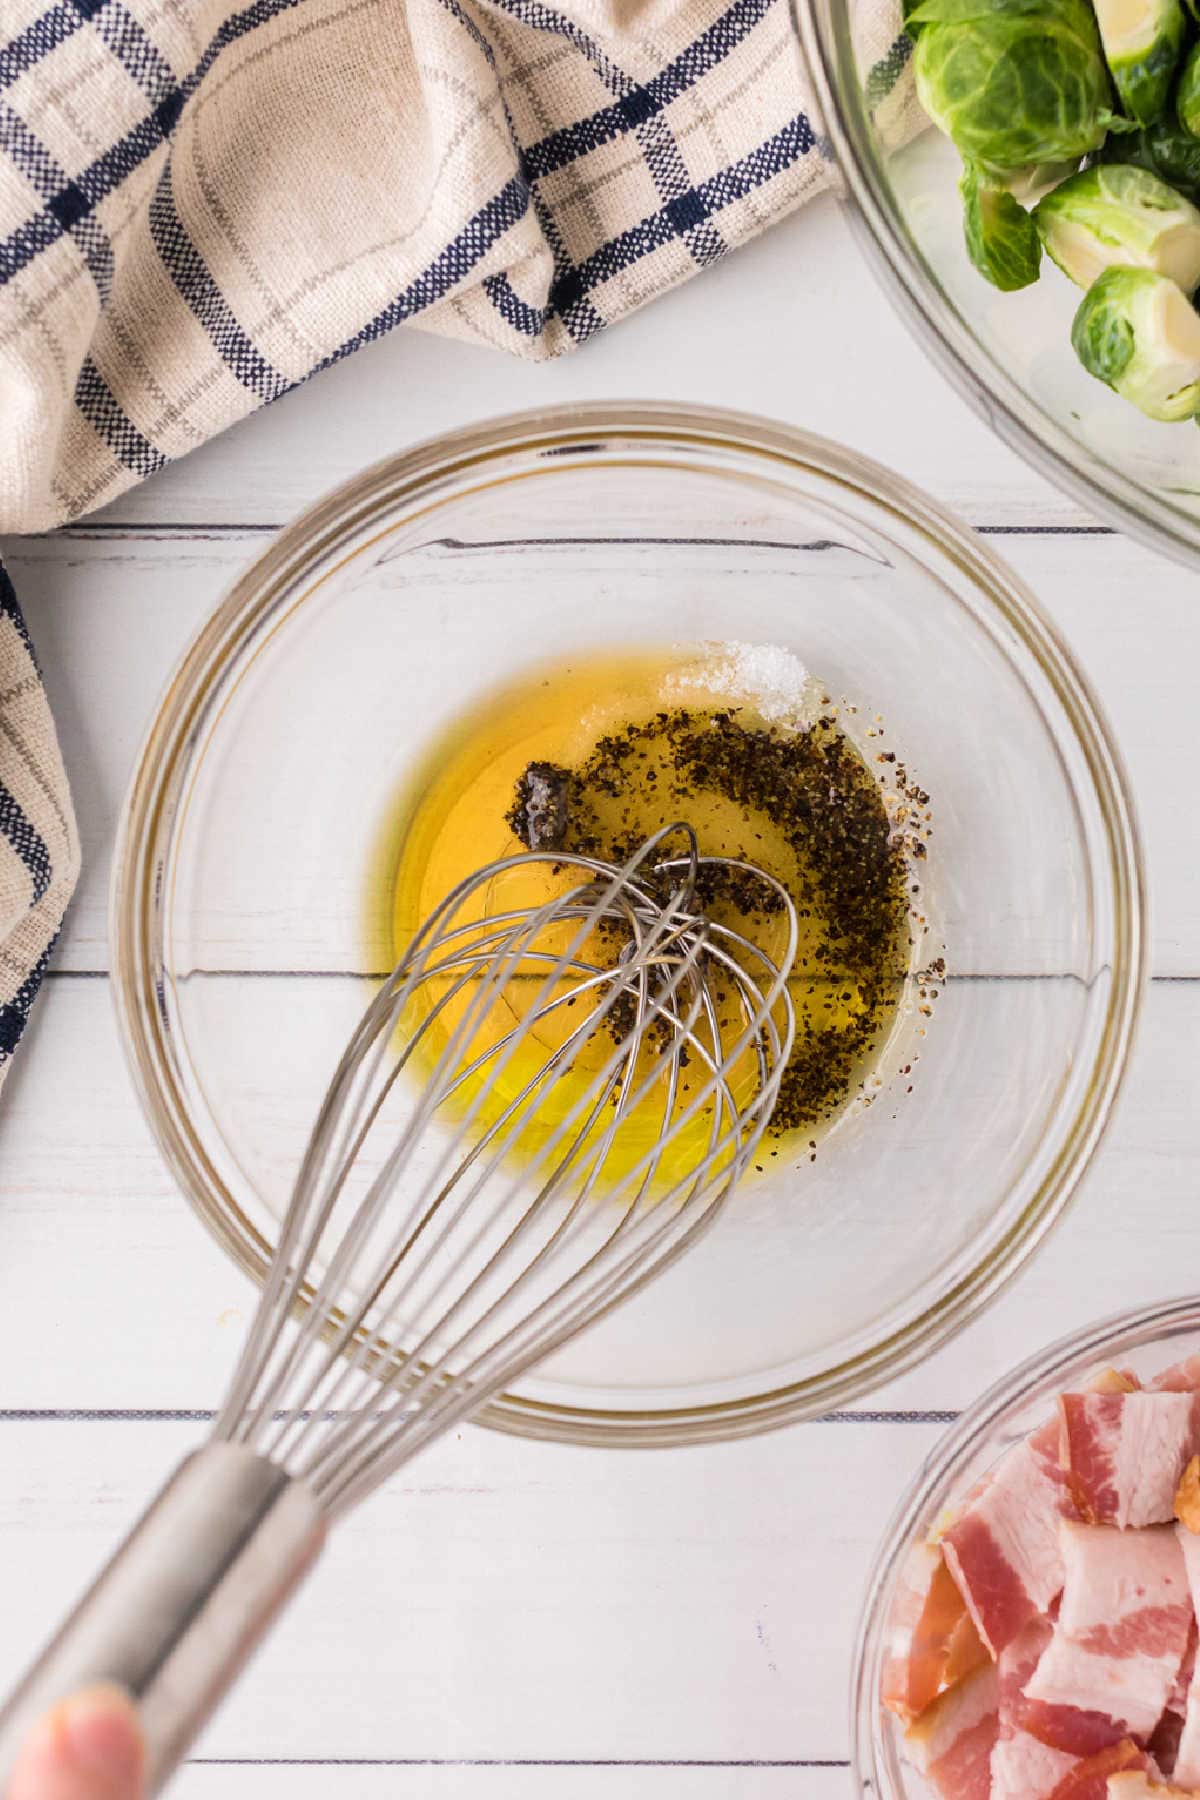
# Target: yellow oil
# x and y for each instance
(453, 819)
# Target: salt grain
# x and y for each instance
(766, 677)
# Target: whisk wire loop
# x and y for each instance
(568, 1141)
(445, 1078)
(594, 1074)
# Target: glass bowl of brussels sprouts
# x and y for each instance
(1026, 177)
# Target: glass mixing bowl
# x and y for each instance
(1010, 355)
(1145, 1340)
(344, 652)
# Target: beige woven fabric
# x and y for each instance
(339, 166)
(39, 847)
(203, 204)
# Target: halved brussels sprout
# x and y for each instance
(1115, 214)
(1013, 82)
(1163, 149)
(1187, 94)
(1002, 239)
(1142, 42)
(1138, 332)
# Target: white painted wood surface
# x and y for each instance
(517, 1619)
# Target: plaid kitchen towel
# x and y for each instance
(202, 205)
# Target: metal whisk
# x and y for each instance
(541, 1107)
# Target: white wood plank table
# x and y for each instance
(509, 1618)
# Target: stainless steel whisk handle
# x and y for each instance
(182, 1604)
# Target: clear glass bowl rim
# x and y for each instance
(823, 29)
(941, 1476)
(714, 438)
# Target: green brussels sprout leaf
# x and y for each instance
(1013, 82)
(1187, 94)
(1117, 214)
(1002, 239)
(1138, 333)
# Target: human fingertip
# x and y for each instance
(90, 1747)
(104, 1738)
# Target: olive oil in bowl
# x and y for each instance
(737, 742)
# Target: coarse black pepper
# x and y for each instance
(849, 870)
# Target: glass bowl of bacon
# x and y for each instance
(1030, 1625)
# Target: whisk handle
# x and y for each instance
(182, 1604)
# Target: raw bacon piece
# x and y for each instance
(1180, 1378)
(1025, 1769)
(1014, 1666)
(1122, 1627)
(1064, 1728)
(1089, 1779)
(1003, 1550)
(952, 1742)
(1022, 1767)
(932, 1642)
(1072, 1729)
(1076, 1730)
(1066, 1734)
(1124, 1453)
(1187, 1757)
